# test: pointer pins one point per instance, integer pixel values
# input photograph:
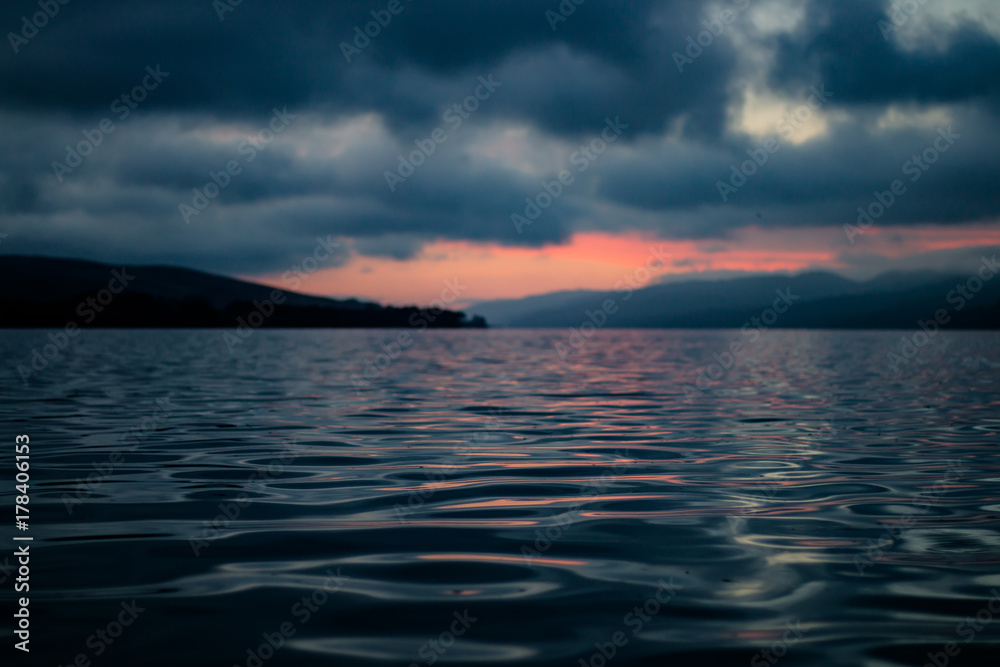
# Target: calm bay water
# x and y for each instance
(482, 501)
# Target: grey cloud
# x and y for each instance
(607, 59)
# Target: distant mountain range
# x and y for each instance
(47, 292)
(821, 301)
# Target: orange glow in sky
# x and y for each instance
(598, 261)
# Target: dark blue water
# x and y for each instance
(480, 500)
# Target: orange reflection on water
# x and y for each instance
(437, 523)
(490, 558)
(506, 502)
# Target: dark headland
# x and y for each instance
(50, 292)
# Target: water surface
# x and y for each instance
(480, 500)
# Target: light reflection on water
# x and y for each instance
(480, 472)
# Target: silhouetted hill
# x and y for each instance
(823, 301)
(47, 292)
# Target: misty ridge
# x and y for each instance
(821, 300)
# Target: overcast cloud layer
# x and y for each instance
(888, 90)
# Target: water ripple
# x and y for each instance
(480, 474)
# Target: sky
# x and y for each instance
(511, 148)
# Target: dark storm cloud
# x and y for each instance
(325, 174)
(263, 55)
(824, 181)
(844, 45)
